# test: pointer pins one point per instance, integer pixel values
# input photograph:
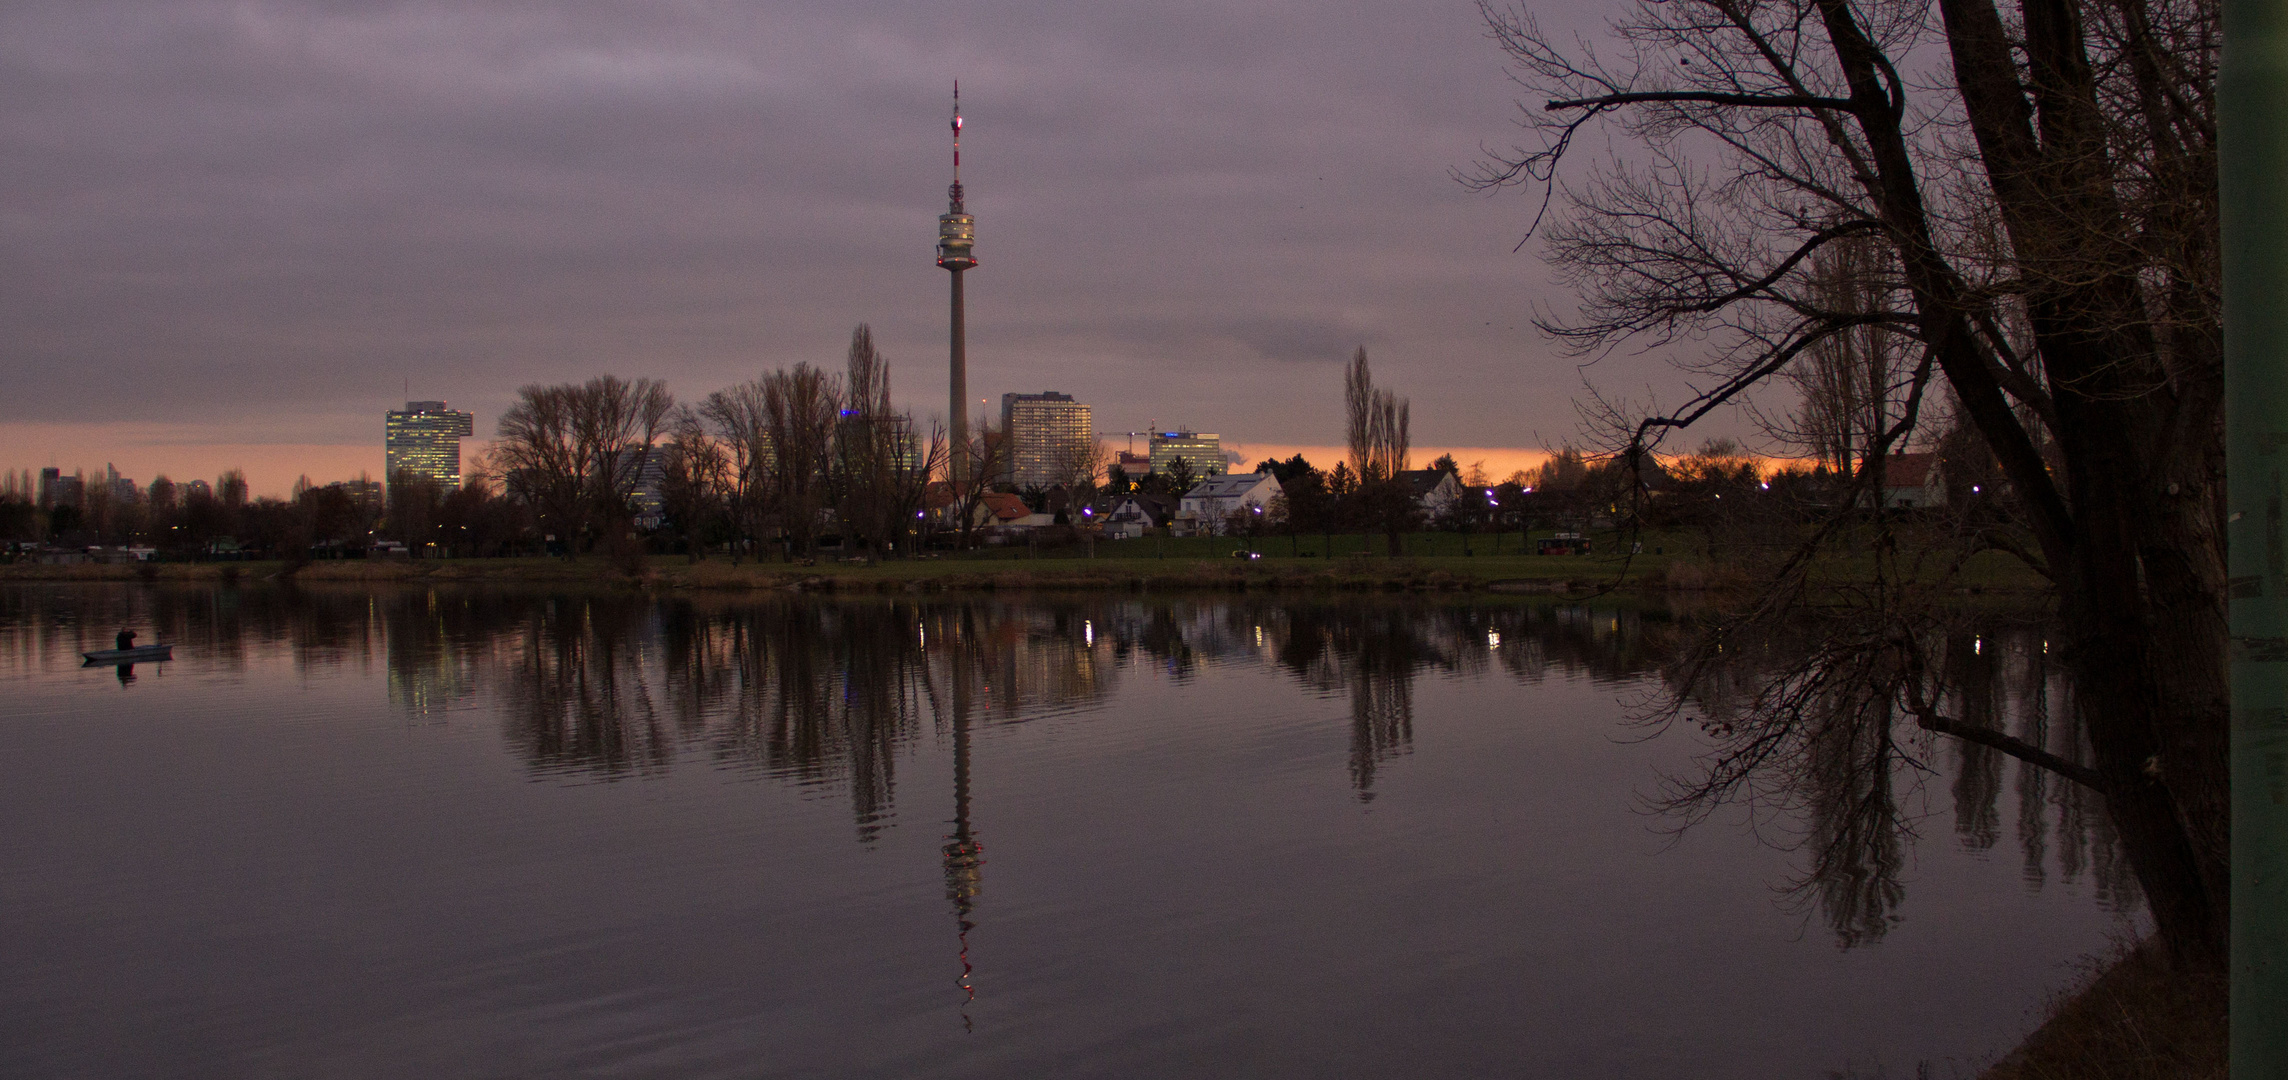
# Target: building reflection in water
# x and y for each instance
(833, 694)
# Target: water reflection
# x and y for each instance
(1793, 725)
(613, 686)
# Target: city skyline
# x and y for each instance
(696, 198)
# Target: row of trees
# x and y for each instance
(331, 520)
(162, 515)
(777, 462)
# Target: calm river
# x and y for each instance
(420, 833)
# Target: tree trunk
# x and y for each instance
(2149, 661)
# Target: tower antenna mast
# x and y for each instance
(956, 233)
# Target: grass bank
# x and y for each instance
(1433, 573)
(1429, 562)
(2133, 1019)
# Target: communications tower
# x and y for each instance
(956, 232)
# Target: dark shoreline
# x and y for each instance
(1514, 574)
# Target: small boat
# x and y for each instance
(137, 655)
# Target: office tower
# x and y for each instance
(866, 442)
(366, 495)
(956, 232)
(1203, 451)
(425, 441)
(123, 491)
(1048, 438)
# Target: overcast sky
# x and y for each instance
(237, 232)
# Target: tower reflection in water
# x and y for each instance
(964, 854)
(832, 694)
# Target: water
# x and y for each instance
(482, 834)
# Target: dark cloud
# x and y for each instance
(1327, 342)
(1187, 211)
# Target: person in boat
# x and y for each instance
(126, 639)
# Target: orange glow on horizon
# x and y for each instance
(142, 452)
(1498, 461)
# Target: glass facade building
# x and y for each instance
(425, 441)
(1049, 437)
(1202, 451)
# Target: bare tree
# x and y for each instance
(1080, 463)
(621, 422)
(988, 450)
(1853, 383)
(1377, 423)
(2047, 199)
(1378, 436)
(542, 462)
(695, 477)
(876, 455)
(575, 452)
(800, 406)
(739, 421)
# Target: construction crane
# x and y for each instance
(1130, 434)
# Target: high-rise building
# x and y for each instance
(956, 237)
(644, 475)
(425, 441)
(123, 491)
(859, 438)
(1049, 437)
(1202, 451)
(363, 493)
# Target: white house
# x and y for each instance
(1434, 490)
(1206, 509)
(1913, 481)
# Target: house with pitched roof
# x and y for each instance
(1129, 516)
(1207, 509)
(1434, 490)
(1913, 481)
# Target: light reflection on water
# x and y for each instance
(475, 832)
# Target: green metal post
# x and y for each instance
(2253, 174)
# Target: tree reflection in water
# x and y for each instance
(832, 693)
(1799, 721)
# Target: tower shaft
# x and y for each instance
(956, 234)
(958, 391)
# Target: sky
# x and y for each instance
(233, 234)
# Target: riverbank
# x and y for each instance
(2134, 1020)
(1130, 565)
(1511, 574)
